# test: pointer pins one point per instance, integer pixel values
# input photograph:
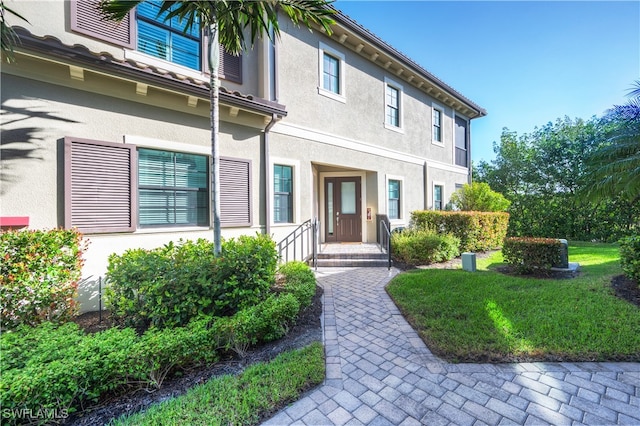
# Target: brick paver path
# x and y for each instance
(379, 372)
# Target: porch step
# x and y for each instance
(351, 263)
(369, 259)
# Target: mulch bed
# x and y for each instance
(308, 329)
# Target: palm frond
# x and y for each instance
(8, 37)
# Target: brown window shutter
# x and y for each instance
(235, 192)
(99, 180)
(87, 19)
(230, 66)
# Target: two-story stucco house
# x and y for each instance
(105, 127)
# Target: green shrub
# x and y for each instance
(630, 257)
(39, 273)
(479, 197)
(170, 285)
(299, 280)
(477, 231)
(62, 368)
(527, 255)
(422, 247)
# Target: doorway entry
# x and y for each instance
(343, 209)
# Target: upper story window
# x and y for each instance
(437, 125)
(393, 105)
(331, 73)
(148, 39)
(462, 143)
(167, 39)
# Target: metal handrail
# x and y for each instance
(384, 236)
(308, 250)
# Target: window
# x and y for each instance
(461, 142)
(283, 194)
(437, 197)
(393, 106)
(437, 125)
(172, 189)
(167, 39)
(394, 199)
(331, 74)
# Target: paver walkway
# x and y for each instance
(379, 372)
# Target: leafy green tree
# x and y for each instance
(615, 166)
(479, 197)
(227, 23)
(8, 37)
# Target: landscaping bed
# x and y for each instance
(307, 330)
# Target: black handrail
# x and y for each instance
(384, 235)
(308, 230)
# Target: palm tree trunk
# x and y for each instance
(214, 96)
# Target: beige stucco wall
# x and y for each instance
(36, 116)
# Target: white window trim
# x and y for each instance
(296, 189)
(403, 214)
(400, 89)
(433, 194)
(322, 49)
(440, 108)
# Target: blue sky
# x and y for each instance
(526, 63)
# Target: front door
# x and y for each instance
(343, 211)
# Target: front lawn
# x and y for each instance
(489, 316)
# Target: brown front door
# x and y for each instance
(343, 210)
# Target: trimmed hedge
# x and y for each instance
(60, 368)
(422, 247)
(477, 231)
(630, 257)
(170, 285)
(39, 273)
(527, 255)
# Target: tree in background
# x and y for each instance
(8, 37)
(480, 198)
(227, 23)
(615, 165)
(545, 172)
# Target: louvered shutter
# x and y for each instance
(87, 19)
(235, 192)
(230, 66)
(99, 186)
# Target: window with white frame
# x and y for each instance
(170, 40)
(437, 125)
(282, 193)
(173, 189)
(331, 73)
(395, 202)
(392, 107)
(438, 193)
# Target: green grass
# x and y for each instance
(243, 399)
(489, 316)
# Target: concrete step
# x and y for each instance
(379, 255)
(353, 262)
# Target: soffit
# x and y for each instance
(357, 38)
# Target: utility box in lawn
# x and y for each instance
(564, 254)
(469, 262)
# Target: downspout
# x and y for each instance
(267, 173)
